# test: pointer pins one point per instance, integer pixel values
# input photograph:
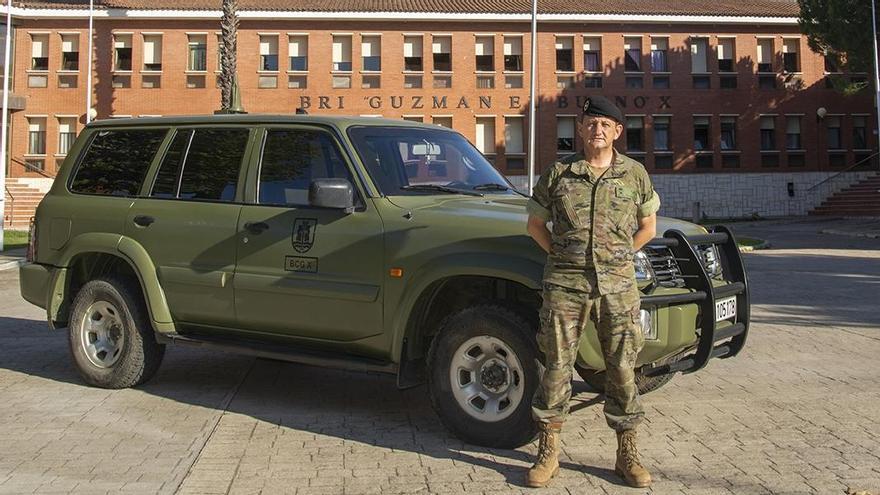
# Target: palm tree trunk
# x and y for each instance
(228, 59)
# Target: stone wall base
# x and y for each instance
(741, 195)
(720, 195)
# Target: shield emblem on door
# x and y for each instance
(303, 236)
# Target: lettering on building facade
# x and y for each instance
(624, 102)
(481, 102)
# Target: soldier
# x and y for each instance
(603, 209)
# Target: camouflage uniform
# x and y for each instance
(590, 274)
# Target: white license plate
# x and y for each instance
(725, 308)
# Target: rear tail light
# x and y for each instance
(32, 241)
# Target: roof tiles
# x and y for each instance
(761, 8)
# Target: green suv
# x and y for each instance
(353, 243)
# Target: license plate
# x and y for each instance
(725, 308)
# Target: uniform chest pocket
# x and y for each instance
(566, 213)
(624, 204)
(571, 203)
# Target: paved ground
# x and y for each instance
(797, 412)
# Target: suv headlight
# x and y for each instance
(711, 261)
(644, 272)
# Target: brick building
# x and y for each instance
(727, 92)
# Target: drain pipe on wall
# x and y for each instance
(876, 70)
(5, 120)
(89, 68)
(533, 105)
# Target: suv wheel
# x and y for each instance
(111, 338)
(483, 371)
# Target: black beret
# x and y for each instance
(599, 106)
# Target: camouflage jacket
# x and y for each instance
(594, 217)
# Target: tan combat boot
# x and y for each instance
(628, 465)
(547, 464)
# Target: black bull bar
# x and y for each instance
(691, 265)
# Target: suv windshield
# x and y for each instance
(414, 160)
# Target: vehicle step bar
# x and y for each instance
(704, 295)
(283, 352)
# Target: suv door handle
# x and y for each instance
(256, 227)
(144, 220)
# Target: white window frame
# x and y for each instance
(573, 120)
(693, 42)
(585, 39)
(74, 35)
(43, 52)
(42, 125)
(720, 49)
(437, 46)
(377, 37)
(759, 55)
(339, 55)
(522, 144)
(480, 47)
(153, 55)
(627, 44)
(511, 47)
(189, 44)
(293, 46)
(560, 40)
(410, 40)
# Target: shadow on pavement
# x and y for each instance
(359, 408)
(835, 288)
(311, 404)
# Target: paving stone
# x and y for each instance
(795, 412)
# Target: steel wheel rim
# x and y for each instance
(102, 334)
(487, 378)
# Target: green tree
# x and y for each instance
(842, 30)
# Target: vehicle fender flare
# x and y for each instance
(138, 259)
(517, 269)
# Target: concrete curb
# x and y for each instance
(749, 249)
(9, 265)
(868, 235)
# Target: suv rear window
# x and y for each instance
(202, 164)
(117, 161)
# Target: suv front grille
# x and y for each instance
(665, 266)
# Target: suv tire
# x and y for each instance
(111, 339)
(595, 380)
(483, 371)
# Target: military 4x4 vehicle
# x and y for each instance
(353, 243)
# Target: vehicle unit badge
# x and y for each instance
(303, 234)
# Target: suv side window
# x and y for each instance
(116, 162)
(202, 165)
(292, 159)
(168, 177)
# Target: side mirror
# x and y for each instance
(332, 193)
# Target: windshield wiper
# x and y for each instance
(491, 186)
(494, 186)
(438, 188)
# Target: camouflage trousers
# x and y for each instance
(616, 317)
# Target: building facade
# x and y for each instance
(706, 89)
